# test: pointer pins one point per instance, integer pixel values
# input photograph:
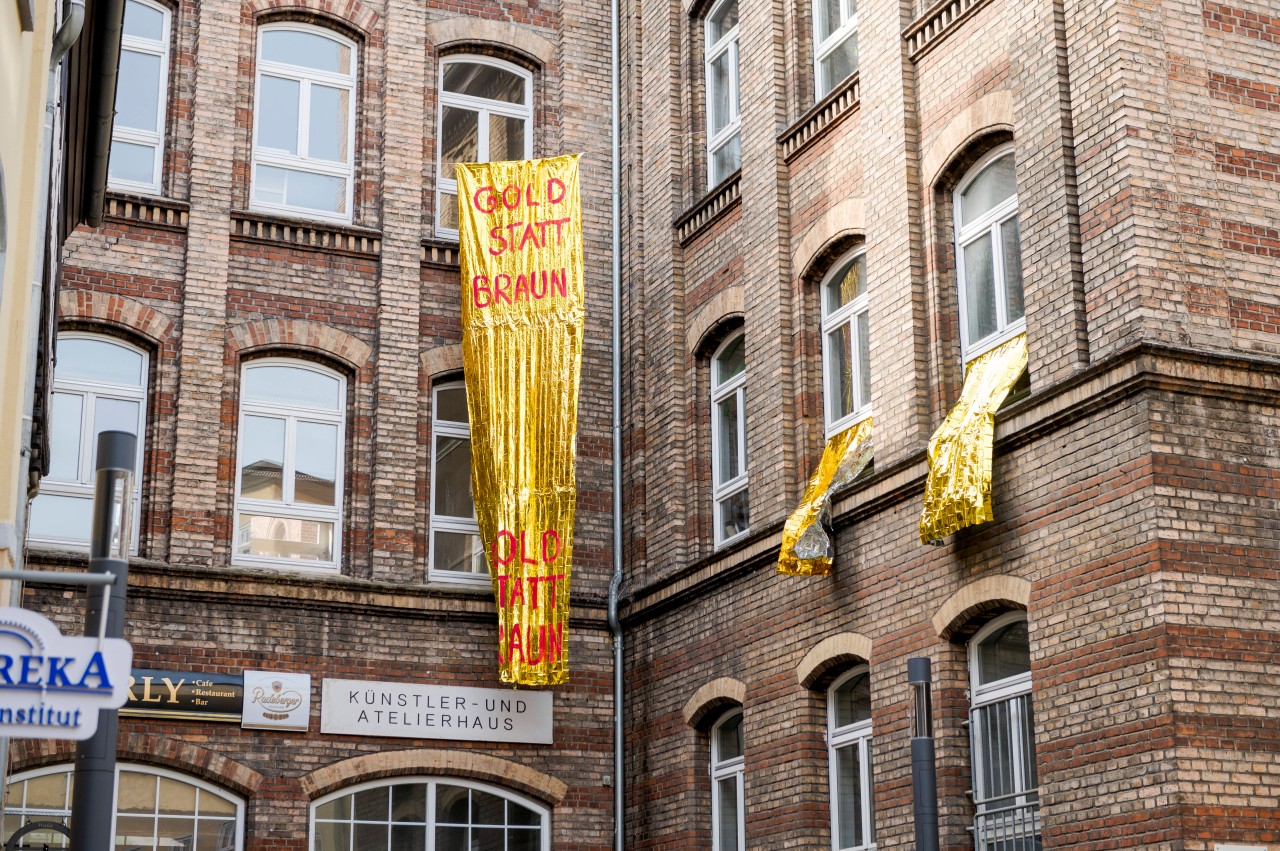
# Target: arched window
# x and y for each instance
(456, 551)
(416, 814)
(988, 254)
(835, 42)
(99, 384)
(142, 87)
(724, 137)
(729, 438)
(304, 122)
(486, 115)
(846, 350)
(154, 809)
(727, 817)
(849, 744)
(289, 472)
(1003, 738)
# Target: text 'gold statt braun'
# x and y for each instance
(806, 545)
(958, 491)
(523, 310)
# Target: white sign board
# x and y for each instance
(357, 707)
(275, 701)
(51, 685)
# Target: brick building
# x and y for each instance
(833, 218)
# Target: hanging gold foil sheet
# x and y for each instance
(523, 308)
(958, 491)
(806, 546)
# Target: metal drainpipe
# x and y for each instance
(615, 585)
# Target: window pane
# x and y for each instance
(727, 832)
(327, 134)
(995, 745)
(409, 802)
(138, 91)
(212, 804)
(142, 21)
(1005, 653)
(176, 834)
(332, 837)
(292, 188)
(453, 478)
(722, 19)
(459, 552)
(262, 458)
(64, 439)
(487, 808)
(98, 360)
(132, 162)
(734, 515)
(484, 81)
(447, 212)
(451, 404)
(840, 371)
(49, 792)
(852, 701)
(849, 796)
(1011, 248)
(306, 50)
(995, 184)
(524, 840)
(114, 415)
(176, 797)
(720, 86)
(729, 739)
(732, 360)
(839, 64)
(847, 284)
(979, 284)
(408, 837)
(285, 385)
(372, 804)
(285, 537)
(864, 358)
(371, 836)
(730, 465)
(726, 160)
(135, 833)
(486, 839)
(826, 17)
(315, 464)
(278, 113)
(67, 518)
(459, 139)
(517, 814)
(451, 839)
(453, 804)
(339, 808)
(506, 138)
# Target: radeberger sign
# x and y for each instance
(523, 309)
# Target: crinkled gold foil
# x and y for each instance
(523, 309)
(958, 491)
(806, 546)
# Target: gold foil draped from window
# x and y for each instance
(958, 491)
(806, 545)
(523, 309)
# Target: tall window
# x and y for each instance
(99, 384)
(1006, 788)
(456, 551)
(729, 438)
(414, 815)
(486, 114)
(304, 122)
(154, 809)
(846, 358)
(137, 137)
(724, 141)
(835, 39)
(988, 254)
(727, 820)
(289, 478)
(849, 744)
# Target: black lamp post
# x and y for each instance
(924, 772)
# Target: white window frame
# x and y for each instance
(847, 315)
(68, 769)
(443, 522)
(448, 184)
(285, 508)
(723, 769)
(988, 223)
(721, 390)
(90, 391)
(432, 784)
(822, 48)
(727, 43)
(858, 736)
(305, 77)
(140, 137)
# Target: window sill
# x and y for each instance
(717, 203)
(254, 226)
(826, 114)
(440, 252)
(150, 210)
(936, 24)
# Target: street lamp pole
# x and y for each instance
(924, 771)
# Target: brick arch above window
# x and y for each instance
(989, 595)
(833, 231)
(299, 333)
(417, 762)
(712, 699)
(714, 313)
(833, 653)
(118, 311)
(991, 112)
(358, 18)
(442, 360)
(146, 749)
(463, 31)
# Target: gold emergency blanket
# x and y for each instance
(958, 491)
(523, 308)
(806, 546)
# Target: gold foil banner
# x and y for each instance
(523, 308)
(958, 492)
(806, 546)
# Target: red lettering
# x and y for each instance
(553, 182)
(559, 281)
(506, 196)
(517, 590)
(523, 550)
(495, 233)
(555, 643)
(502, 589)
(533, 285)
(534, 582)
(522, 286)
(479, 284)
(529, 234)
(552, 580)
(501, 632)
(516, 643)
(500, 292)
(493, 198)
(495, 552)
(528, 197)
(553, 536)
